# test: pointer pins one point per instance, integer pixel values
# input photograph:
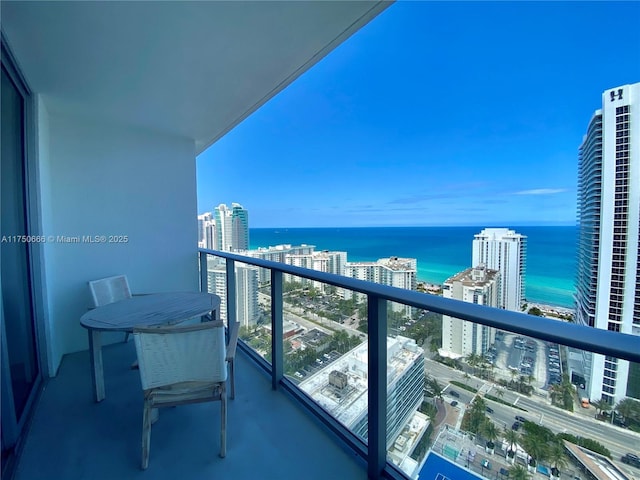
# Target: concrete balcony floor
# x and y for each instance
(269, 436)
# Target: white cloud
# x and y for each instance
(541, 191)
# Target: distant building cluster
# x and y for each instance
(225, 228)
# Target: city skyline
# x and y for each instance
(399, 127)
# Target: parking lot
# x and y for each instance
(515, 355)
(321, 362)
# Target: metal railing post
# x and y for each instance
(204, 274)
(231, 291)
(277, 353)
(377, 393)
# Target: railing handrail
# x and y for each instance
(616, 344)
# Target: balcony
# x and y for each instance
(276, 429)
(111, 125)
(269, 436)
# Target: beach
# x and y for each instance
(553, 311)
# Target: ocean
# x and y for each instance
(444, 251)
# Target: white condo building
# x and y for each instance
(460, 338)
(206, 231)
(247, 310)
(278, 253)
(392, 271)
(506, 251)
(608, 274)
(341, 387)
(324, 261)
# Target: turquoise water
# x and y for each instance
(444, 251)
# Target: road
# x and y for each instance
(538, 410)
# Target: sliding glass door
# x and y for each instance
(19, 353)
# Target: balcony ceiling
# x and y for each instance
(193, 69)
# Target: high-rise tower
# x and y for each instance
(608, 275)
(232, 227)
(506, 251)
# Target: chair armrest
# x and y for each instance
(234, 329)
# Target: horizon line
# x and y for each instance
(425, 226)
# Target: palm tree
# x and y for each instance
(473, 361)
(601, 406)
(522, 380)
(518, 472)
(477, 416)
(512, 438)
(490, 432)
(557, 457)
(555, 392)
(536, 445)
(435, 388)
(606, 407)
(629, 409)
(530, 379)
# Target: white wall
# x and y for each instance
(104, 179)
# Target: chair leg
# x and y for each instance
(233, 380)
(146, 434)
(223, 421)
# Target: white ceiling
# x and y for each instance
(194, 69)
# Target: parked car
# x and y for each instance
(515, 426)
(454, 403)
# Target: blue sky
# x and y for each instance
(435, 113)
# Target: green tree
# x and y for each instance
(473, 361)
(601, 406)
(490, 432)
(535, 311)
(535, 443)
(476, 416)
(629, 409)
(557, 457)
(518, 472)
(434, 387)
(512, 438)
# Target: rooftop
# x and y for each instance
(349, 404)
(474, 277)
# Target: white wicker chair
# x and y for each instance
(109, 290)
(184, 364)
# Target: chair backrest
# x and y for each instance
(191, 353)
(109, 290)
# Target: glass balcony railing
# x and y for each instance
(407, 379)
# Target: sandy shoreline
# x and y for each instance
(547, 309)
